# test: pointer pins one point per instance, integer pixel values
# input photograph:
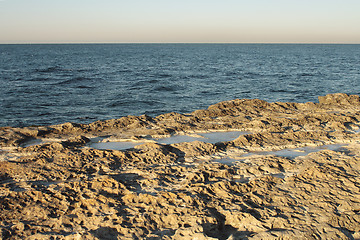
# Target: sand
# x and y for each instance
(280, 180)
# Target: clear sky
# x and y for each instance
(239, 21)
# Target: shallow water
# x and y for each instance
(227, 160)
(179, 139)
(114, 145)
(297, 152)
(212, 137)
(32, 142)
(288, 153)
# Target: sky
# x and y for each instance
(185, 21)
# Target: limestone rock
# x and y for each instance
(61, 188)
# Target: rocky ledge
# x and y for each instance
(54, 185)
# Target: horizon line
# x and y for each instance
(49, 43)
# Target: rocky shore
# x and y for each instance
(54, 185)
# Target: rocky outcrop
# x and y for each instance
(340, 98)
(60, 188)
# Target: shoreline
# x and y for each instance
(64, 188)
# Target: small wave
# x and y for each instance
(251, 75)
(244, 91)
(73, 80)
(119, 103)
(153, 81)
(279, 76)
(49, 69)
(232, 73)
(144, 82)
(38, 79)
(156, 112)
(57, 69)
(84, 87)
(308, 74)
(205, 92)
(166, 88)
(142, 103)
(282, 91)
(197, 76)
(164, 75)
(86, 118)
(124, 71)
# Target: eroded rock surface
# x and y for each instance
(60, 188)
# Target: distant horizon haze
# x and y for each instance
(167, 21)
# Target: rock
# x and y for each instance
(340, 98)
(63, 189)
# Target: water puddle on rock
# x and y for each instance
(32, 142)
(38, 141)
(114, 145)
(178, 139)
(214, 137)
(227, 160)
(211, 137)
(288, 153)
(297, 152)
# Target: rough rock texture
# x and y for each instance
(53, 186)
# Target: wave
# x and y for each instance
(144, 82)
(73, 80)
(123, 71)
(197, 76)
(125, 102)
(282, 91)
(49, 69)
(163, 75)
(166, 88)
(58, 69)
(193, 78)
(307, 74)
(38, 79)
(84, 87)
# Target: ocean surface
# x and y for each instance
(50, 84)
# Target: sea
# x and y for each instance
(43, 84)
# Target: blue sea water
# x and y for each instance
(51, 84)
